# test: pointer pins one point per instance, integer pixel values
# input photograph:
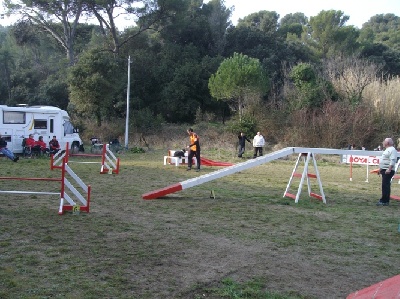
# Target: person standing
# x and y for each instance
(242, 143)
(194, 149)
(5, 151)
(258, 143)
(191, 138)
(386, 169)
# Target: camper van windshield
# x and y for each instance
(68, 128)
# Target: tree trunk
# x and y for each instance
(240, 106)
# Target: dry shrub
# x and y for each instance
(350, 76)
(271, 120)
(204, 116)
(384, 95)
(300, 130)
(169, 136)
(333, 126)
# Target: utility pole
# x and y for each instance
(127, 103)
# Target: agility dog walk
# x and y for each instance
(253, 163)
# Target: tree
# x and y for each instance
(292, 24)
(312, 90)
(327, 33)
(265, 21)
(237, 80)
(53, 91)
(382, 28)
(91, 83)
(145, 15)
(46, 13)
(218, 19)
(202, 25)
(7, 63)
(294, 18)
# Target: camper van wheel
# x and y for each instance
(75, 147)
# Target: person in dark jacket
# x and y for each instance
(242, 143)
(54, 145)
(5, 151)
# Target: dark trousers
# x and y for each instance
(241, 150)
(258, 150)
(190, 158)
(386, 182)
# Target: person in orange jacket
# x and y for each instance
(194, 149)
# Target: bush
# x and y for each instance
(137, 150)
(247, 125)
(146, 122)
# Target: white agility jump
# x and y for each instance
(70, 197)
(256, 162)
(109, 162)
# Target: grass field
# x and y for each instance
(248, 242)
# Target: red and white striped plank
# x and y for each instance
(387, 289)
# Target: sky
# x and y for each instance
(359, 11)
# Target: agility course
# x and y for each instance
(168, 242)
(309, 152)
(389, 288)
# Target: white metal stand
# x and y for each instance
(305, 175)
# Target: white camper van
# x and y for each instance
(16, 123)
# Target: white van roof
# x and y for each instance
(40, 109)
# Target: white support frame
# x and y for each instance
(305, 175)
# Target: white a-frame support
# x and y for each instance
(305, 175)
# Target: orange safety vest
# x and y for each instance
(192, 141)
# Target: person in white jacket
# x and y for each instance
(258, 144)
(387, 166)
